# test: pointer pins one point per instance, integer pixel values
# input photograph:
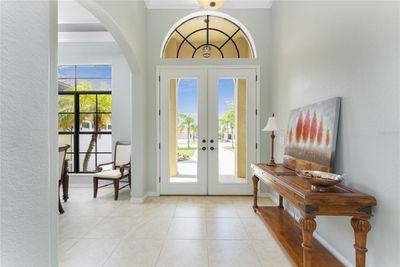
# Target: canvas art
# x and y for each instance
(311, 136)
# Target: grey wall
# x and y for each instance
(28, 133)
(106, 53)
(347, 49)
(159, 22)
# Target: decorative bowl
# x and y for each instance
(320, 181)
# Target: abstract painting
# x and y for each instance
(311, 136)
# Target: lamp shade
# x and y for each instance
(272, 125)
(211, 4)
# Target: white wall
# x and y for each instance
(106, 53)
(159, 22)
(347, 49)
(28, 133)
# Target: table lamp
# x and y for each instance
(272, 126)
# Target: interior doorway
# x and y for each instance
(207, 130)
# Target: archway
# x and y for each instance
(208, 34)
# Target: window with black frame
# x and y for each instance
(84, 115)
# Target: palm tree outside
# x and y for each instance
(227, 121)
(88, 106)
(187, 122)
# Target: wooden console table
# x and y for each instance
(297, 238)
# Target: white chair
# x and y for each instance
(121, 168)
(62, 152)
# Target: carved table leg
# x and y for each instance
(255, 192)
(308, 226)
(280, 202)
(361, 228)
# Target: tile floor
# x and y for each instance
(164, 231)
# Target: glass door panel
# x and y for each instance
(231, 130)
(207, 131)
(183, 113)
(183, 130)
(232, 145)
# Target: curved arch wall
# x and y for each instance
(126, 21)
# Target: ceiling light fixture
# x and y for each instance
(206, 51)
(211, 4)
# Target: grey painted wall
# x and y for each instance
(159, 22)
(347, 49)
(28, 133)
(106, 53)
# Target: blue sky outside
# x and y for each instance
(188, 95)
(102, 74)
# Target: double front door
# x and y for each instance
(207, 130)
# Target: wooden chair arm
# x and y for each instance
(99, 167)
(123, 167)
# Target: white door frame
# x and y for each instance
(205, 67)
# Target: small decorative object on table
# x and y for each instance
(320, 181)
(272, 126)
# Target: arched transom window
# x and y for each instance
(208, 36)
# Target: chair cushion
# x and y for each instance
(110, 174)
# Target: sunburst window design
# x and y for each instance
(208, 36)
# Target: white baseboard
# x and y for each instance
(153, 194)
(139, 200)
(333, 250)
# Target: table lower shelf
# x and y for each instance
(287, 231)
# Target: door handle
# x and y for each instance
(204, 148)
(212, 148)
(203, 141)
(212, 141)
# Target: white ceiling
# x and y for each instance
(183, 4)
(76, 24)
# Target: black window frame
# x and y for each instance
(76, 133)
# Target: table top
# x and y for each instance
(298, 189)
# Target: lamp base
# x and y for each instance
(271, 163)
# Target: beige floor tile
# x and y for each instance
(270, 254)
(191, 211)
(164, 231)
(245, 211)
(256, 229)
(187, 228)
(128, 209)
(221, 211)
(155, 228)
(65, 244)
(163, 210)
(89, 209)
(183, 253)
(225, 228)
(89, 252)
(136, 253)
(114, 227)
(231, 253)
(77, 227)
